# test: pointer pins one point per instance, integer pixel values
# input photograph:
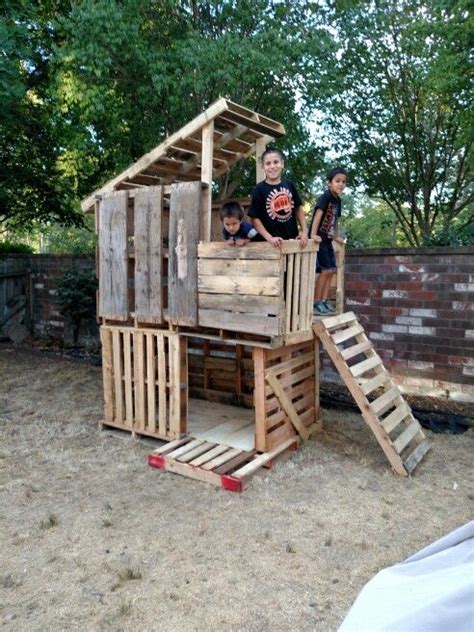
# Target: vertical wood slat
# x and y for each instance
(289, 290)
(174, 387)
(113, 257)
(150, 345)
(303, 320)
(117, 369)
(260, 145)
(162, 379)
(206, 178)
(139, 379)
(185, 205)
(317, 409)
(296, 294)
(148, 254)
(311, 283)
(127, 376)
(107, 373)
(259, 399)
(340, 250)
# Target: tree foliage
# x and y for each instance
(401, 107)
(89, 86)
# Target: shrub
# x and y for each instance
(75, 296)
(11, 247)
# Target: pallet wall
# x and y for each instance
(221, 372)
(286, 393)
(145, 381)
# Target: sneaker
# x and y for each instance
(330, 307)
(319, 308)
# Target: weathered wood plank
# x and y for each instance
(148, 255)
(182, 265)
(239, 322)
(162, 379)
(127, 374)
(220, 250)
(259, 399)
(113, 260)
(118, 379)
(151, 379)
(246, 303)
(239, 267)
(259, 286)
(107, 373)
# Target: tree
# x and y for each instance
(130, 72)
(400, 108)
(32, 186)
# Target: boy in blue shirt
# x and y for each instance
(323, 230)
(235, 231)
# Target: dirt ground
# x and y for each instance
(92, 538)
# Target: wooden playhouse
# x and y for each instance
(215, 349)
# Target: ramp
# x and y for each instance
(380, 401)
(214, 463)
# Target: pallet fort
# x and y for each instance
(214, 349)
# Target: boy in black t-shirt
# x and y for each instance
(234, 230)
(276, 207)
(323, 230)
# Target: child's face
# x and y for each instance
(337, 184)
(273, 167)
(231, 224)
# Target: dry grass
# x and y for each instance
(127, 547)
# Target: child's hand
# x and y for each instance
(241, 242)
(231, 242)
(340, 240)
(303, 239)
(317, 239)
(276, 241)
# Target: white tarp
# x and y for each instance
(431, 591)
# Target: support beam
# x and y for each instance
(206, 178)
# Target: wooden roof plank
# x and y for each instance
(237, 130)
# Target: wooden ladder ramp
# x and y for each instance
(212, 462)
(379, 399)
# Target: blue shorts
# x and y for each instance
(326, 259)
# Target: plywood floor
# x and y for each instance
(220, 423)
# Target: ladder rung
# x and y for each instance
(385, 399)
(365, 365)
(345, 334)
(407, 435)
(350, 352)
(391, 421)
(415, 457)
(341, 319)
(375, 382)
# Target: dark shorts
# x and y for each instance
(326, 259)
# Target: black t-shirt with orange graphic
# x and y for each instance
(331, 208)
(274, 205)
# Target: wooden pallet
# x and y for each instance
(214, 463)
(381, 403)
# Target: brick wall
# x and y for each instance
(47, 321)
(417, 308)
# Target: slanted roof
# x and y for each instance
(179, 157)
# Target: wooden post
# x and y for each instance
(206, 178)
(259, 399)
(260, 145)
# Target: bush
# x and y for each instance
(11, 247)
(75, 296)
